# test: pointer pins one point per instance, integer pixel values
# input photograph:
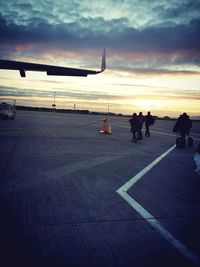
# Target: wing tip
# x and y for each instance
(103, 63)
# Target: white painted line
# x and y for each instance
(157, 226)
(169, 134)
(120, 125)
(140, 174)
(158, 132)
(125, 126)
(57, 173)
(122, 191)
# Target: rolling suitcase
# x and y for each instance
(180, 142)
(140, 137)
(190, 141)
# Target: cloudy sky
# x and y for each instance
(152, 47)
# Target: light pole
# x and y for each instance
(54, 101)
(14, 107)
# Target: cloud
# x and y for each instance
(75, 94)
(86, 95)
(169, 37)
(153, 71)
(178, 11)
(164, 39)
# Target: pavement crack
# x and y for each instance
(108, 221)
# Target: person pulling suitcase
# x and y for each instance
(182, 128)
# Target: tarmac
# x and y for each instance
(72, 197)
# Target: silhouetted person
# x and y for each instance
(197, 159)
(134, 126)
(183, 125)
(141, 119)
(149, 120)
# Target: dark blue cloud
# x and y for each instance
(180, 37)
(182, 10)
(176, 33)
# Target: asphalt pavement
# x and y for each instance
(72, 197)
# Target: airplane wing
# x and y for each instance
(49, 69)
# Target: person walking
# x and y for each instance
(197, 159)
(182, 128)
(141, 120)
(183, 125)
(134, 127)
(149, 120)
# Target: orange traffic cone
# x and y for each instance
(106, 127)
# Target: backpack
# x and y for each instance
(152, 121)
(175, 128)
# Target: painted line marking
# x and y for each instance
(56, 173)
(124, 126)
(122, 191)
(152, 130)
